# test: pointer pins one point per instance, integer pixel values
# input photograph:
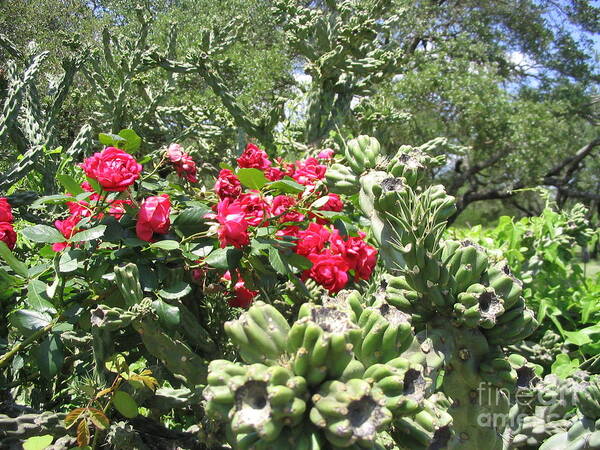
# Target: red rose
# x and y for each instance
(326, 154)
(309, 171)
(254, 157)
(228, 185)
(183, 162)
(113, 168)
(312, 240)
(274, 174)
(5, 210)
(254, 206)
(117, 208)
(288, 232)
(233, 229)
(8, 235)
(243, 296)
(334, 203)
(282, 206)
(153, 217)
(67, 228)
(330, 271)
(361, 257)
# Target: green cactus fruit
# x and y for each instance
(497, 370)
(128, 281)
(362, 153)
(466, 262)
(340, 179)
(504, 283)
(408, 164)
(402, 382)
(478, 306)
(588, 400)
(321, 342)
(430, 428)
(260, 334)
(256, 399)
(584, 434)
(386, 333)
(350, 413)
(513, 326)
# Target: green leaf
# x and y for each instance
(224, 165)
(125, 404)
(286, 186)
(277, 262)
(563, 367)
(178, 290)
(116, 364)
(37, 298)
(299, 261)
(43, 233)
(165, 245)
(52, 199)
(191, 220)
(319, 202)
(168, 315)
(252, 178)
(38, 442)
(27, 320)
(89, 234)
(111, 140)
(68, 261)
(132, 140)
(577, 338)
(17, 266)
(224, 258)
(50, 356)
(72, 186)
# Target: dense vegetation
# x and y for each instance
(249, 224)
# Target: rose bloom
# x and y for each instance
(242, 295)
(5, 210)
(228, 185)
(67, 228)
(8, 235)
(282, 205)
(329, 270)
(116, 208)
(113, 168)
(289, 234)
(312, 240)
(326, 154)
(233, 229)
(175, 153)
(274, 174)
(309, 171)
(153, 217)
(254, 157)
(334, 203)
(255, 207)
(361, 257)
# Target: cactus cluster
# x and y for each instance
(314, 384)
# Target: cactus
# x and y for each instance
(351, 412)
(350, 407)
(256, 399)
